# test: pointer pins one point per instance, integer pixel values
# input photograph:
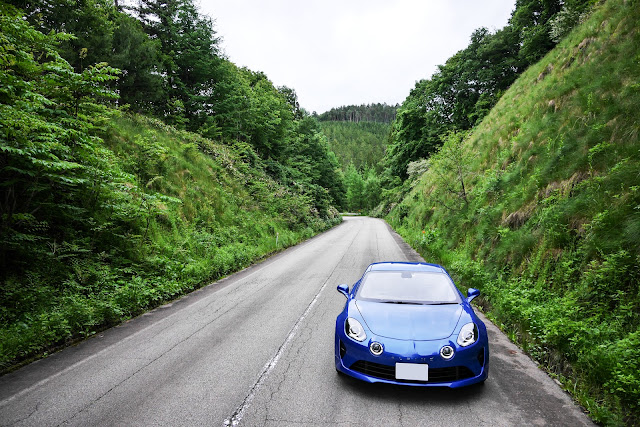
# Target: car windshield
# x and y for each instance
(408, 287)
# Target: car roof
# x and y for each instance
(406, 266)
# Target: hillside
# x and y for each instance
(181, 212)
(378, 113)
(361, 143)
(359, 148)
(539, 207)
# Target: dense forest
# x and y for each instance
(360, 147)
(516, 166)
(378, 113)
(361, 143)
(137, 163)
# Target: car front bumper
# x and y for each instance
(469, 365)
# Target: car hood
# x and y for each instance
(409, 321)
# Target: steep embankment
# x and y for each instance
(177, 212)
(539, 207)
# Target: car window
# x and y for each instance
(412, 287)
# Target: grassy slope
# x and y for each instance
(551, 233)
(203, 209)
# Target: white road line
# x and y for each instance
(235, 418)
(237, 415)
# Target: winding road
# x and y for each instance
(256, 349)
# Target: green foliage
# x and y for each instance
(549, 231)
(451, 162)
(361, 143)
(363, 189)
(102, 34)
(89, 21)
(312, 167)
(139, 86)
(269, 116)
(52, 165)
(189, 62)
(123, 213)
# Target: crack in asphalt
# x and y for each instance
(235, 418)
(237, 415)
(45, 380)
(305, 336)
(29, 415)
(186, 338)
(279, 421)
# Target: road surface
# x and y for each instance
(257, 349)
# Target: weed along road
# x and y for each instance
(257, 349)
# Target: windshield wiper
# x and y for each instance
(401, 302)
(441, 303)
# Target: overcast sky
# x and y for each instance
(349, 52)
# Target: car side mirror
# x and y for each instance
(472, 293)
(344, 290)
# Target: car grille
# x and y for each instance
(436, 375)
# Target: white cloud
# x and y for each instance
(342, 52)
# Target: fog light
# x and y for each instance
(446, 352)
(375, 348)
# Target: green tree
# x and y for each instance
(451, 167)
(102, 34)
(361, 143)
(190, 59)
(90, 21)
(531, 19)
(52, 168)
(355, 188)
(313, 166)
(269, 117)
(133, 52)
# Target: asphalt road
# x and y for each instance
(257, 349)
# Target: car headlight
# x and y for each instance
(354, 329)
(468, 335)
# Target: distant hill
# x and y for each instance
(539, 208)
(379, 113)
(360, 143)
(358, 136)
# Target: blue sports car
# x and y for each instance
(407, 323)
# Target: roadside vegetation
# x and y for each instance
(538, 206)
(106, 212)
